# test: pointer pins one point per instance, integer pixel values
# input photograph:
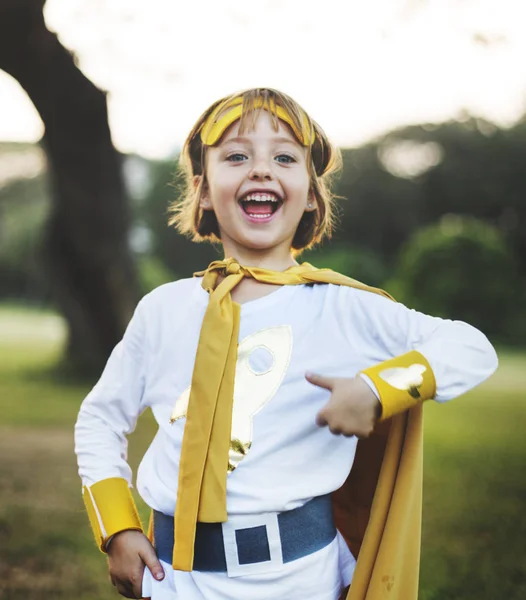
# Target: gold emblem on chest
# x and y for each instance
(262, 361)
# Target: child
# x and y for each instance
(262, 375)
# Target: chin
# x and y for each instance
(258, 246)
(259, 241)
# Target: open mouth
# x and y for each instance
(260, 205)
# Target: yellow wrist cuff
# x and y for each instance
(402, 382)
(110, 508)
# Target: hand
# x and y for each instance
(129, 553)
(352, 409)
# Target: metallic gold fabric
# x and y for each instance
(252, 389)
(402, 382)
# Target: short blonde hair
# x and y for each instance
(323, 160)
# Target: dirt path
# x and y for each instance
(37, 467)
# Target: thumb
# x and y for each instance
(320, 380)
(149, 557)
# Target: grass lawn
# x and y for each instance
(474, 496)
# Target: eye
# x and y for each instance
(285, 159)
(236, 157)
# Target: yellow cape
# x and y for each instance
(378, 510)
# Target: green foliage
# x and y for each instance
(180, 255)
(463, 269)
(359, 263)
(478, 171)
(378, 210)
(152, 273)
(24, 205)
(473, 492)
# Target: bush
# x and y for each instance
(152, 273)
(359, 263)
(462, 269)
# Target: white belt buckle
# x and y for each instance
(267, 520)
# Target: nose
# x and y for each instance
(261, 171)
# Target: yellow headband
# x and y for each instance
(215, 126)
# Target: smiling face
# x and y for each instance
(257, 184)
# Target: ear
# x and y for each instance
(204, 198)
(311, 202)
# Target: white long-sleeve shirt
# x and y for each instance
(285, 458)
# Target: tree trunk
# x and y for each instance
(86, 244)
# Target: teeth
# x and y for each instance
(260, 198)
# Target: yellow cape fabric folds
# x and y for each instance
(378, 510)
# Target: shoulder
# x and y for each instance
(365, 302)
(369, 318)
(166, 308)
(344, 301)
(169, 294)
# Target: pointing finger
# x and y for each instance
(319, 380)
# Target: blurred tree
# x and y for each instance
(463, 269)
(86, 245)
(482, 174)
(378, 209)
(182, 256)
(413, 176)
(23, 212)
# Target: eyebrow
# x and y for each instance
(243, 139)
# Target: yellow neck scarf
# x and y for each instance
(204, 454)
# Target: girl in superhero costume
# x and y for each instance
(288, 459)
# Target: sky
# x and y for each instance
(359, 68)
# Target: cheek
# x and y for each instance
(302, 181)
(224, 201)
(223, 189)
(301, 190)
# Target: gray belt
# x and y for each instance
(253, 543)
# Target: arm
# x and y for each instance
(428, 357)
(412, 357)
(107, 415)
